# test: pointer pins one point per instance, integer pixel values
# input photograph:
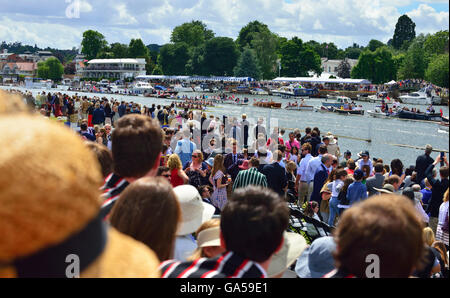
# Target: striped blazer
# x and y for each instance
(227, 265)
(250, 177)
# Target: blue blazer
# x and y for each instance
(320, 177)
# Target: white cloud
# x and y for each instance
(340, 21)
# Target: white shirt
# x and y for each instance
(184, 247)
(312, 167)
(369, 163)
(301, 170)
(443, 210)
(335, 187)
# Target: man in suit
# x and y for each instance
(231, 161)
(422, 164)
(276, 175)
(376, 181)
(244, 130)
(320, 176)
(439, 187)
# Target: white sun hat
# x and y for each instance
(194, 211)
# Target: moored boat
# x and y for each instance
(421, 97)
(300, 107)
(403, 114)
(268, 104)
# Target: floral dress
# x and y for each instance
(219, 196)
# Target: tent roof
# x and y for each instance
(323, 80)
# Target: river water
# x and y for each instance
(385, 134)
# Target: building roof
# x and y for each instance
(126, 60)
(26, 66)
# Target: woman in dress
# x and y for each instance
(196, 170)
(219, 196)
(178, 176)
(115, 113)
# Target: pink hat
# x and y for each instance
(244, 165)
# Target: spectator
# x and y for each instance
(98, 115)
(196, 170)
(177, 175)
(136, 222)
(135, 136)
(185, 147)
(276, 175)
(439, 187)
(205, 192)
(442, 226)
(42, 223)
(312, 210)
(250, 176)
(293, 246)
(317, 260)
(426, 192)
(220, 183)
(104, 158)
(409, 193)
(164, 172)
(393, 225)
(246, 236)
(335, 187)
(321, 176)
(194, 212)
(357, 191)
(376, 181)
(422, 163)
(208, 240)
(303, 181)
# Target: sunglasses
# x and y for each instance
(194, 156)
(167, 175)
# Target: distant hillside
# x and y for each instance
(18, 48)
(154, 47)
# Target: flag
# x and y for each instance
(95, 89)
(388, 98)
(442, 113)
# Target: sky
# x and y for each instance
(61, 23)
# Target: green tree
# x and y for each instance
(93, 42)
(248, 33)
(437, 71)
(329, 50)
(352, 53)
(50, 69)
(193, 34)
(404, 31)
(378, 66)
(437, 43)
(220, 56)
(119, 50)
(247, 65)
(265, 46)
(137, 49)
(297, 59)
(157, 70)
(414, 63)
(173, 58)
(195, 65)
(374, 45)
(344, 69)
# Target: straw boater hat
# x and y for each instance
(331, 138)
(49, 215)
(387, 188)
(293, 246)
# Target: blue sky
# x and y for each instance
(344, 22)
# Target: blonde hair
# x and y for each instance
(218, 165)
(200, 154)
(174, 162)
(198, 253)
(291, 166)
(428, 236)
(445, 199)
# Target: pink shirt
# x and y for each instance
(295, 143)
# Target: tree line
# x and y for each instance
(259, 53)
